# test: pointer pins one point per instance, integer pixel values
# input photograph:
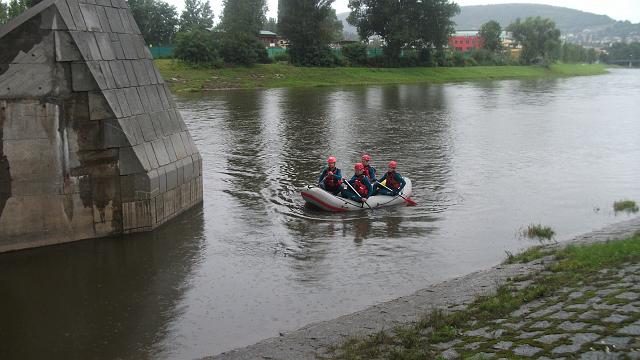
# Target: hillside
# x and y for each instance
(578, 26)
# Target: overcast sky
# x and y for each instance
(616, 9)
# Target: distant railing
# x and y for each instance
(161, 52)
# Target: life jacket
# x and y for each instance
(392, 183)
(331, 181)
(366, 171)
(360, 187)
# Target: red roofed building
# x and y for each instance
(465, 40)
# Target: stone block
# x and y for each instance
(141, 72)
(134, 25)
(129, 46)
(52, 20)
(180, 169)
(159, 77)
(172, 176)
(133, 160)
(81, 78)
(132, 130)
(161, 152)
(154, 183)
(163, 97)
(112, 99)
(117, 46)
(104, 20)
(76, 14)
(150, 71)
(169, 203)
(169, 97)
(124, 18)
(119, 73)
(151, 155)
(87, 45)
(66, 49)
(165, 123)
(99, 108)
(170, 150)
(83, 136)
(103, 3)
(159, 213)
(141, 48)
(114, 135)
(124, 105)
(135, 187)
(154, 97)
(148, 132)
(43, 81)
(131, 75)
(90, 16)
(187, 166)
(145, 100)
(115, 23)
(134, 101)
(178, 146)
(110, 82)
(162, 180)
(65, 14)
(105, 46)
(178, 119)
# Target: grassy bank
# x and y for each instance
(184, 78)
(574, 268)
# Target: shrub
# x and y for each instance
(457, 58)
(197, 47)
(355, 54)
(242, 49)
(625, 205)
(538, 231)
(424, 57)
(313, 56)
(283, 56)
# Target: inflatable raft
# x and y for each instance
(327, 201)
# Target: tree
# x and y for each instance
(419, 23)
(16, 7)
(490, 34)
(157, 20)
(305, 25)
(331, 27)
(4, 14)
(197, 47)
(197, 14)
(270, 25)
(539, 38)
(243, 16)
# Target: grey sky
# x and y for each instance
(616, 9)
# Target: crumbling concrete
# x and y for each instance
(91, 143)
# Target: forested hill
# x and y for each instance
(567, 20)
(570, 21)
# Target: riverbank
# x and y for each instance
(570, 298)
(183, 78)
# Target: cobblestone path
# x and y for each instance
(595, 320)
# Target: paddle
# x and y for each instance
(409, 201)
(361, 198)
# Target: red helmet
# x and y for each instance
(331, 159)
(393, 164)
(366, 157)
(359, 167)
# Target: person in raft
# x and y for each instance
(360, 183)
(369, 170)
(394, 181)
(331, 177)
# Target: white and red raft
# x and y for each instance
(329, 202)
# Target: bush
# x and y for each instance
(283, 56)
(355, 54)
(242, 49)
(457, 58)
(197, 47)
(424, 57)
(313, 56)
(483, 57)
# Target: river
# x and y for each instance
(486, 159)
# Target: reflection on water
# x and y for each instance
(108, 299)
(485, 159)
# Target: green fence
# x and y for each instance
(159, 52)
(163, 52)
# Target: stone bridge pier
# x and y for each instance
(91, 143)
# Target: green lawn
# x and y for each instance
(182, 77)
